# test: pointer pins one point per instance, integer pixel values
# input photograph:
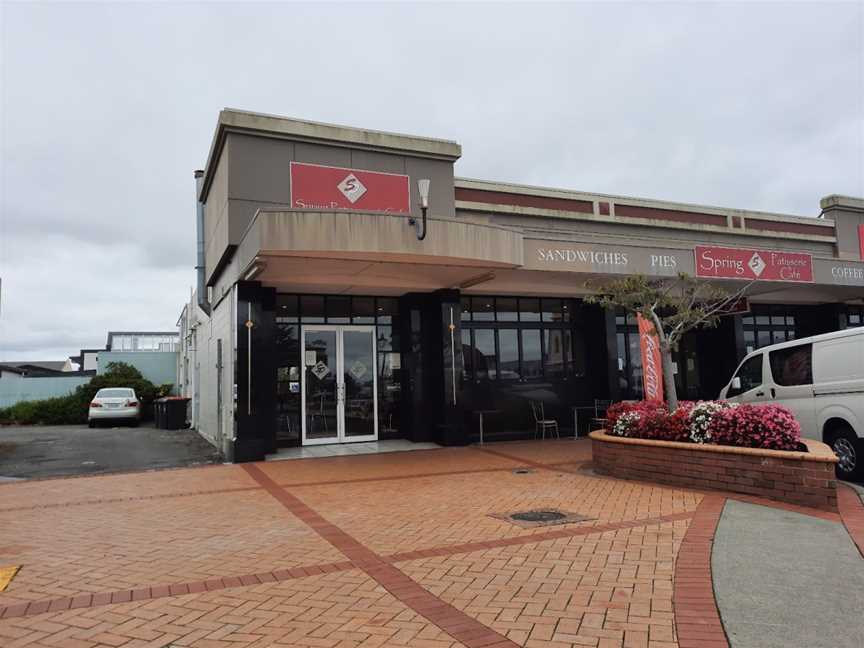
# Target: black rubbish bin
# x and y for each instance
(157, 413)
(174, 412)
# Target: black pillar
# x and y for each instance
(432, 359)
(602, 350)
(255, 372)
(736, 323)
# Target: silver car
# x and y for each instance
(114, 404)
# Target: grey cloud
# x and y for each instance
(107, 109)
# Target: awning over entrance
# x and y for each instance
(365, 253)
(372, 253)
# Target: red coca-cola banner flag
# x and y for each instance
(861, 241)
(652, 363)
(739, 263)
(339, 189)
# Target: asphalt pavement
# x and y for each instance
(28, 452)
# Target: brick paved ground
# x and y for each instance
(376, 550)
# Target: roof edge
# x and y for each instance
(267, 125)
(842, 202)
(509, 187)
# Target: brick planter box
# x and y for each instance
(803, 478)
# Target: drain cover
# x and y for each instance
(539, 516)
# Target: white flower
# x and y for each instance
(700, 419)
(626, 423)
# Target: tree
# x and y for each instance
(675, 306)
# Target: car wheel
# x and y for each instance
(91, 423)
(133, 423)
(850, 454)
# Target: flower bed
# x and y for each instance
(771, 427)
(754, 450)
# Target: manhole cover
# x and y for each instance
(538, 516)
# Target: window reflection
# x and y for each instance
(531, 358)
(554, 358)
(484, 347)
(508, 344)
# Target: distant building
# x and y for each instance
(87, 359)
(34, 369)
(166, 341)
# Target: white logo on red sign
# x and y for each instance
(756, 264)
(352, 188)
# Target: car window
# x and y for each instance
(792, 366)
(114, 393)
(750, 374)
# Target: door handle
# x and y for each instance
(762, 393)
(773, 393)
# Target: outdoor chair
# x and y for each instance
(600, 407)
(541, 423)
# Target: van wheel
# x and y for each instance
(850, 454)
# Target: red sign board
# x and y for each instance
(739, 263)
(652, 365)
(861, 241)
(338, 189)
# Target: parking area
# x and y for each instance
(412, 549)
(57, 451)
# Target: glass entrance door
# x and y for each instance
(339, 384)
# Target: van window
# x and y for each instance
(792, 366)
(750, 374)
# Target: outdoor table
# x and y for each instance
(576, 409)
(481, 412)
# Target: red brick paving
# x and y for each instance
(697, 619)
(376, 550)
(852, 514)
(458, 625)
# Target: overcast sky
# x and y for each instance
(108, 108)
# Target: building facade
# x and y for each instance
(332, 307)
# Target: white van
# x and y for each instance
(821, 380)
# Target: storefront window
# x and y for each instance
(854, 316)
(554, 357)
(386, 309)
(510, 341)
(311, 309)
(484, 349)
(385, 338)
(629, 356)
(529, 310)
(531, 355)
(466, 309)
(338, 310)
(483, 309)
(362, 310)
(507, 309)
(508, 355)
(767, 325)
(287, 308)
(467, 355)
(575, 351)
(555, 311)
